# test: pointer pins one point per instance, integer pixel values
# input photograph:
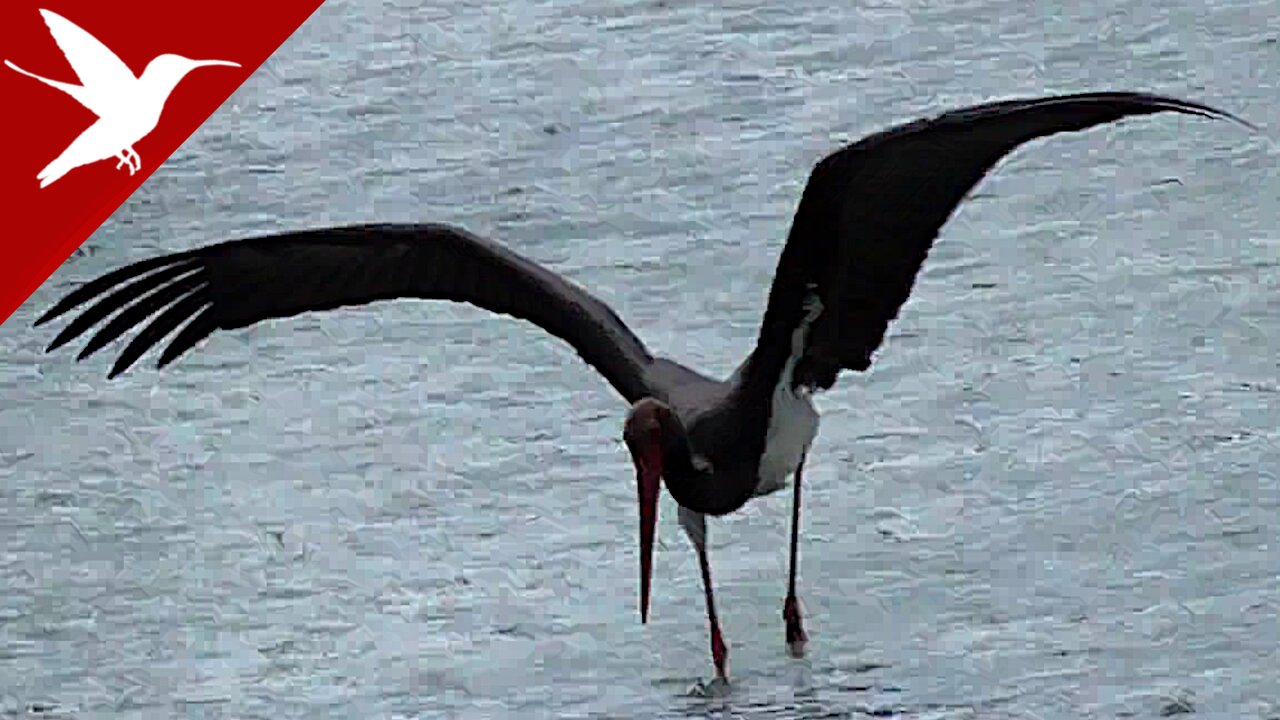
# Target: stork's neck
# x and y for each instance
(699, 484)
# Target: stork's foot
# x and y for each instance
(797, 640)
(720, 655)
(717, 688)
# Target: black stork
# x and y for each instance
(866, 220)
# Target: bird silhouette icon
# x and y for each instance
(128, 106)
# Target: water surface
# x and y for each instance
(1054, 496)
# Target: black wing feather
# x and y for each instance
(134, 314)
(159, 328)
(107, 305)
(238, 283)
(871, 211)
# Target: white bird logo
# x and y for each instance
(128, 107)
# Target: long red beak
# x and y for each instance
(648, 477)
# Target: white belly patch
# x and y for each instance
(792, 428)
(793, 422)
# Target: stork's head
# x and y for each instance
(650, 430)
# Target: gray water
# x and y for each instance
(1054, 496)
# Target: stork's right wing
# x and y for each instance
(238, 283)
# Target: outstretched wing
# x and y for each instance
(870, 212)
(238, 283)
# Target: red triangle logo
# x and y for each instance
(99, 95)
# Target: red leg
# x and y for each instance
(719, 651)
(796, 638)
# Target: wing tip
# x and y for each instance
(46, 317)
(57, 342)
(1192, 107)
(165, 360)
(117, 370)
(1157, 102)
(57, 311)
(88, 350)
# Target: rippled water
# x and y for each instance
(1055, 496)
